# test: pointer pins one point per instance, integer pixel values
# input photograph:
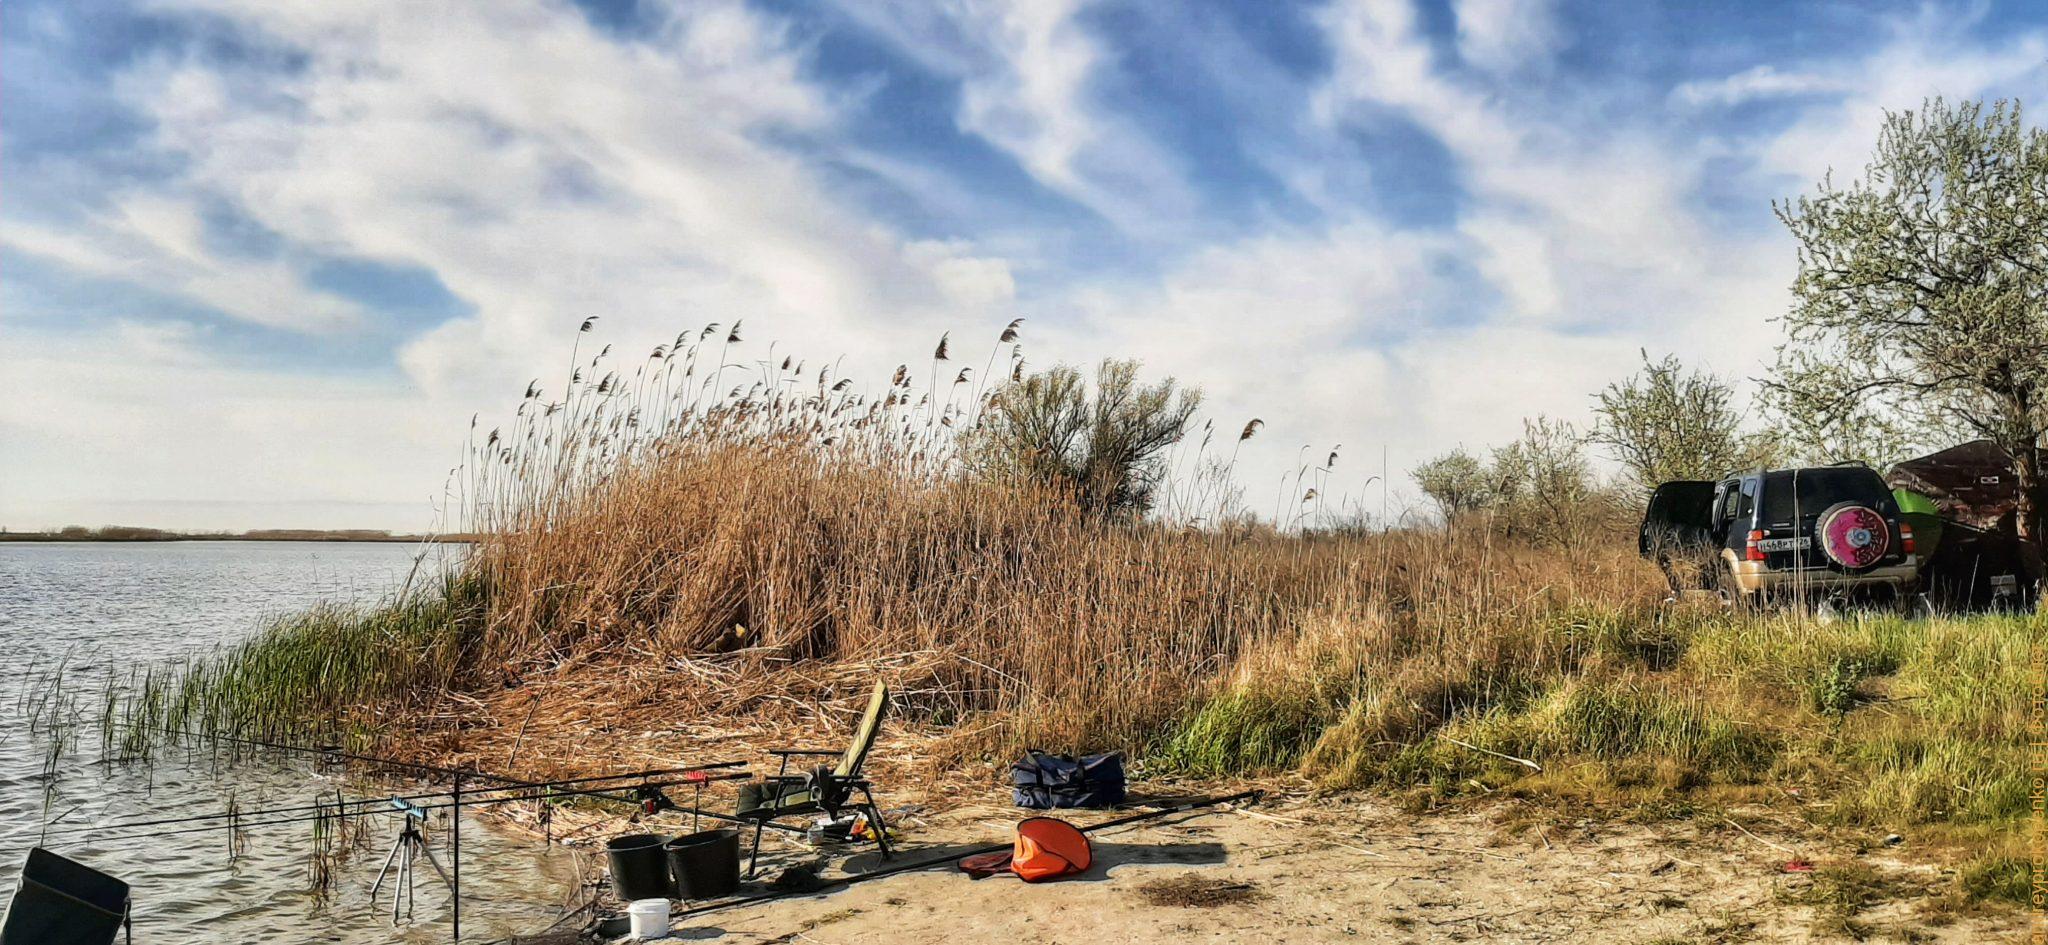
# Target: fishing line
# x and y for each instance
(539, 795)
(426, 795)
(335, 751)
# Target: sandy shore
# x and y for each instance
(1294, 869)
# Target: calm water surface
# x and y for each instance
(101, 608)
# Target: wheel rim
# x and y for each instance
(1854, 537)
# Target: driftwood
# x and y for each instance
(1524, 762)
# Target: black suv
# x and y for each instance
(1825, 530)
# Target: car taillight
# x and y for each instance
(1906, 537)
(1755, 553)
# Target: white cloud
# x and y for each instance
(545, 171)
(1027, 70)
(541, 170)
(1337, 336)
(1576, 232)
(1506, 35)
(139, 425)
(969, 282)
(1595, 233)
(157, 243)
(160, 342)
(1922, 57)
(1032, 106)
(1756, 82)
(554, 172)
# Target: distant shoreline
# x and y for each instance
(150, 535)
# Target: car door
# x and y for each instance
(1680, 516)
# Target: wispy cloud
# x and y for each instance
(1372, 222)
(156, 241)
(1758, 82)
(1506, 35)
(1028, 72)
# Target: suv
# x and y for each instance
(1830, 531)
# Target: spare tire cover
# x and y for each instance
(1853, 536)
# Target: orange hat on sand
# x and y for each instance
(1045, 849)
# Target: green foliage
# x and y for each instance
(1249, 729)
(1833, 691)
(1921, 773)
(1968, 673)
(1920, 287)
(1457, 482)
(1654, 711)
(1104, 448)
(1669, 423)
(1540, 487)
(1613, 722)
(1543, 484)
(1842, 433)
(309, 671)
(1621, 638)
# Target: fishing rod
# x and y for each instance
(655, 802)
(427, 795)
(335, 751)
(370, 811)
(366, 810)
(1180, 807)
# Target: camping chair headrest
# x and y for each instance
(864, 736)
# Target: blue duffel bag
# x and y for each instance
(1043, 781)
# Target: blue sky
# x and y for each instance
(260, 262)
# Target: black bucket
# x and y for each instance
(705, 865)
(61, 902)
(639, 870)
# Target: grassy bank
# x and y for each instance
(1876, 725)
(742, 556)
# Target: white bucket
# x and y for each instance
(649, 918)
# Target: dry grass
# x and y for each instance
(698, 558)
(746, 530)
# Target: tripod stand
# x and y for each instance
(409, 847)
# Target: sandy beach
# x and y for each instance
(1357, 869)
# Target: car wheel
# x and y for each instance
(1852, 535)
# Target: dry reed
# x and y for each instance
(696, 543)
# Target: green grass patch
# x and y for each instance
(1913, 725)
(1613, 721)
(1246, 730)
(1997, 878)
(306, 673)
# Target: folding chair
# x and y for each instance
(822, 790)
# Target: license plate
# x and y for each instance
(1784, 544)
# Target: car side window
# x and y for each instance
(1745, 506)
(1728, 502)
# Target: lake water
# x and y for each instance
(101, 608)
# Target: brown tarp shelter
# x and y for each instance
(1976, 488)
(1975, 483)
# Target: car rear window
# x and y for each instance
(1811, 491)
